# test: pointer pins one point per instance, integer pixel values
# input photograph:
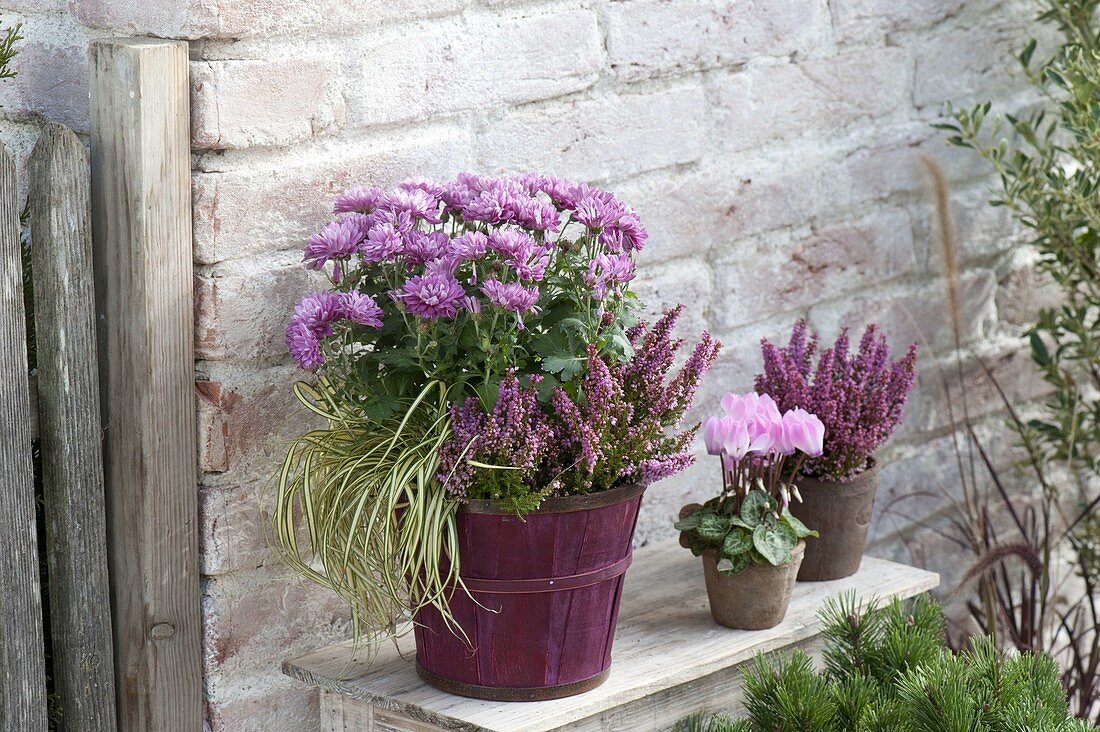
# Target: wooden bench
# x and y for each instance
(670, 659)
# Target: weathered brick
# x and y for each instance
(300, 99)
(965, 65)
(257, 416)
(596, 138)
(241, 311)
(280, 704)
(683, 281)
(1024, 291)
(51, 72)
(233, 19)
(765, 103)
(254, 619)
(982, 231)
(247, 207)
(915, 314)
(649, 37)
(776, 274)
(476, 64)
(235, 528)
(855, 20)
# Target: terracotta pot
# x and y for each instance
(546, 592)
(754, 599)
(841, 513)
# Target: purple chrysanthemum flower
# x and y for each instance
(529, 262)
(304, 345)
(471, 245)
(421, 248)
(429, 186)
(416, 202)
(512, 296)
(433, 295)
(361, 309)
(362, 200)
(510, 242)
(383, 243)
(495, 206)
(536, 214)
(608, 272)
(337, 241)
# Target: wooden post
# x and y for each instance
(22, 664)
(141, 218)
(72, 458)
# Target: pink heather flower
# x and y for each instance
(471, 245)
(383, 243)
(337, 241)
(433, 295)
(512, 296)
(361, 309)
(363, 200)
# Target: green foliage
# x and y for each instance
(377, 522)
(887, 669)
(753, 530)
(1048, 163)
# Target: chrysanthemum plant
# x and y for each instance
(760, 452)
(860, 397)
(478, 340)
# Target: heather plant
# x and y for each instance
(860, 398)
(887, 670)
(617, 430)
(760, 452)
(476, 340)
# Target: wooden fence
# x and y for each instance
(118, 476)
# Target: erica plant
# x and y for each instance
(621, 426)
(859, 397)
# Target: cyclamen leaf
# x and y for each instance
(738, 541)
(755, 507)
(800, 529)
(689, 522)
(734, 565)
(775, 544)
(713, 528)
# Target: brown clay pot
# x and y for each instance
(841, 514)
(753, 599)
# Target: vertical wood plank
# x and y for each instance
(141, 216)
(72, 459)
(22, 664)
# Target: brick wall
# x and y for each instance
(771, 148)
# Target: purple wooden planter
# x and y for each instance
(550, 585)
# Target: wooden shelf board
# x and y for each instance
(665, 639)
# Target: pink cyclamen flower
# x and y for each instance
(744, 438)
(433, 295)
(803, 431)
(715, 431)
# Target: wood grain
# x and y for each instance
(23, 682)
(70, 441)
(141, 215)
(666, 648)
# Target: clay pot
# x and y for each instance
(841, 513)
(754, 599)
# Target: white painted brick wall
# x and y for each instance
(771, 148)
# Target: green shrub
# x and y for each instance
(887, 669)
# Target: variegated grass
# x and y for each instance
(359, 510)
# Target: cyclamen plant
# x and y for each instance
(760, 453)
(860, 398)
